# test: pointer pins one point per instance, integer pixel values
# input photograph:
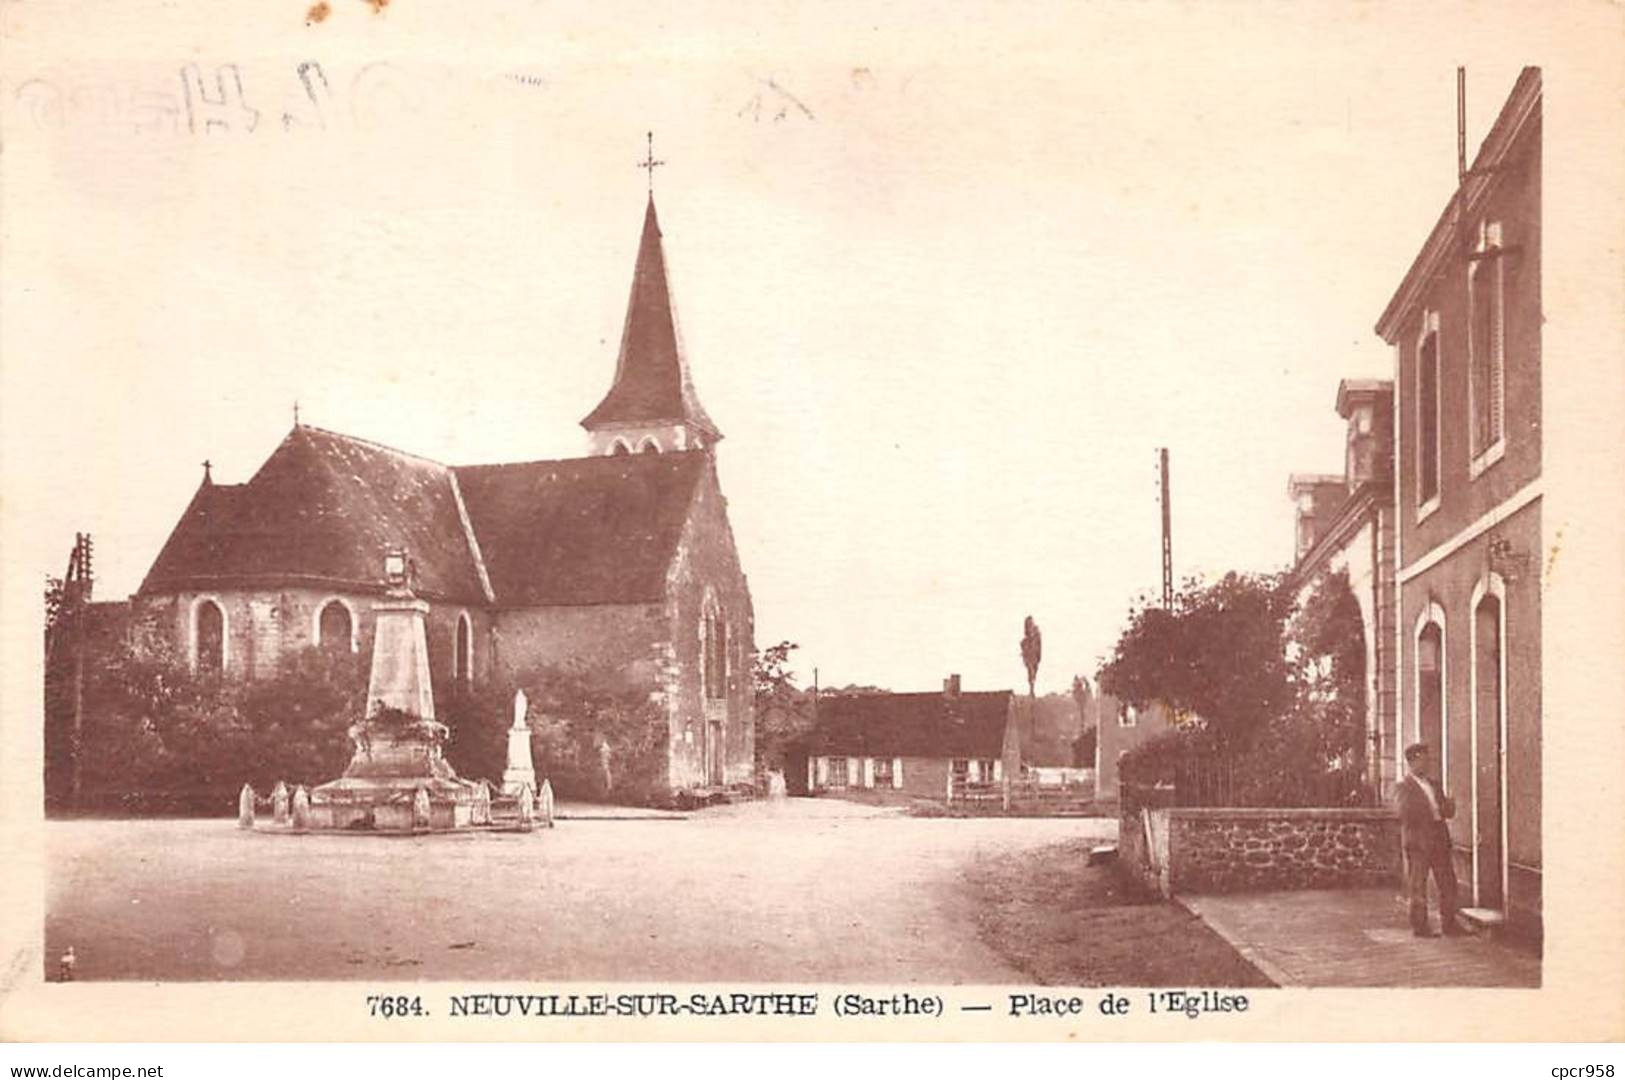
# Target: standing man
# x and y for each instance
(1423, 810)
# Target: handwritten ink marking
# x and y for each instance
(778, 103)
(314, 81)
(220, 109)
(527, 80)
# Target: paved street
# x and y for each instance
(804, 891)
(1354, 937)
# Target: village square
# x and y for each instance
(373, 715)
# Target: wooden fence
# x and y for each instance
(1020, 797)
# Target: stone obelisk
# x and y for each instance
(398, 777)
(521, 771)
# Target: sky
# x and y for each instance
(946, 277)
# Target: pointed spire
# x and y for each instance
(652, 385)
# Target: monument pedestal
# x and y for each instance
(394, 759)
(398, 760)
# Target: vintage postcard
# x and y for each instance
(954, 522)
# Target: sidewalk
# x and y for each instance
(1354, 937)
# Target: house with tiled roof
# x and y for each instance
(912, 743)
(622, 558)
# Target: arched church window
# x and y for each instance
(209, 639)
(714, 647)
(649, 446)
(463, 653)
(620, 448)
(334, 629)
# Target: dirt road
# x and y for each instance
(804, 891)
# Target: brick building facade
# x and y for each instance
(1466, 325)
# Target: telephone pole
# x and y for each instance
(1167, 536)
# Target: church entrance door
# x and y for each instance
(713, 753)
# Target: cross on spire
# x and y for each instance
(649, 164)
(207, 465)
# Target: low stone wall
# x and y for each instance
(1243, 849)
(1239, 849)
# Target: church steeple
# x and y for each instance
(652, 404)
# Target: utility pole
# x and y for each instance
(1167, 536)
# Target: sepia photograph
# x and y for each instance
(647, 517)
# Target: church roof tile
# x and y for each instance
(598, 530)
(324, 508)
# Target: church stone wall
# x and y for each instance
(708, 564)
(265, 625)
(625, 637)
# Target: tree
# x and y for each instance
(1032, 651)
(771, 674)
(1280, 693)
(1218, 652)
(784, 712)
(1083, 747)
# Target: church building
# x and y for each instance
(623, 558)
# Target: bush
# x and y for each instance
(1303, 743)
(594, 734)
(159, 739)
(597, 735)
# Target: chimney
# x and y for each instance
(950, 686)
(1368, 407)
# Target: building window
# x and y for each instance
(619, 447)
(1128, 715)
(1486, 344)
(335, 630)
(837, 772)
(1489, 788)
(649, 446)
(714, 652)
(883, 773)
(986, 770)
(462, 660)
(1427, 416)
(209, 637)
(960, 769)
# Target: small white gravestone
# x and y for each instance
(521, 771)
(776, 789)
(482, 803)
(420, 809)
(279, 803)
(546, 801)
(245, 808)
(301, 807)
